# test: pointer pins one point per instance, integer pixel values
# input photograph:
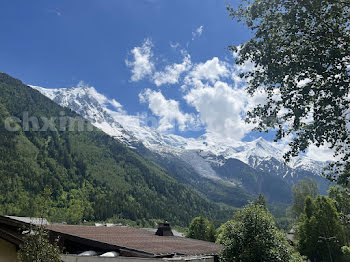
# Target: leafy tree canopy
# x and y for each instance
(261, 201)
(320, 233)
(342, 203)
(252, 236)
(36, 245)
(303, 189)
(202, 229)
(300, 50)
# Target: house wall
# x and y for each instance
(74, 258)
(8, 251)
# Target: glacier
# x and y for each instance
(203, 154)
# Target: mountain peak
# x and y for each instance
(94, 106)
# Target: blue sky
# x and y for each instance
(57, 44)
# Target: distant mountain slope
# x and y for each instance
(241, 169)
(216, 189)
(94, 107)
(104, 114)
(187, 166)
(91, 175)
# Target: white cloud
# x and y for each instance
(322, 153)
(197, 33)
(211, 70)
(213, 88)
(141, 65)
(216, 91)
(167, 110)
(115, 104)
(171, 73)
(221, 109)
(174, 45)
(303, 82)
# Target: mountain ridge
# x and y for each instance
(92, 176)
(68, 97)
(203, 154)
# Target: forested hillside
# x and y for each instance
(91, 175)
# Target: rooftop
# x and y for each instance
(128, 241)
(140, 240)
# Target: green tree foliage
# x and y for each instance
(320, 233)
(211, 232)
(201, 228)
(261, 201)
(342, 203)
(37, 247)
(346, 253)
(304, 188)
(91, 175)
(300, 50)
(253, 236)
(222, 231)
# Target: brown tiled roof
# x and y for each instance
(139, 239)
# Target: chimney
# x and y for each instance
(164, 229)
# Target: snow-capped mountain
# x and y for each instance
(92, 106)
(203, 154)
